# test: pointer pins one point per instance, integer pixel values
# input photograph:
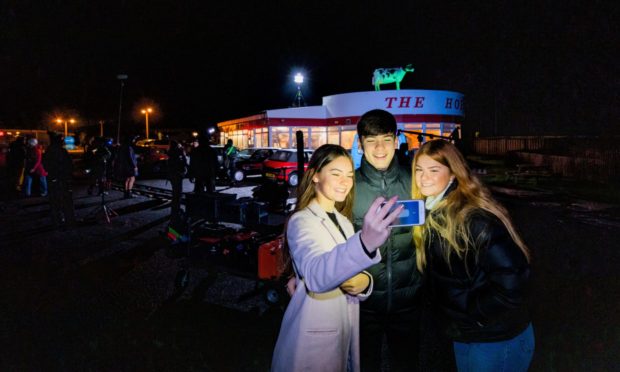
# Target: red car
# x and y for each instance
(151, 160)
(281, 167)
(252, 164)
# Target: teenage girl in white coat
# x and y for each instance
(320, 328)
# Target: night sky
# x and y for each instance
(525, 67)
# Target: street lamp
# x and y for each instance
(146, 112)
(299, 98)
(121, 78)
(60, 121)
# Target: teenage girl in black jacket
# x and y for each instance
(476, 263)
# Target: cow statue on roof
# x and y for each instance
(390, 75)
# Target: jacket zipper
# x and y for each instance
(388, 251)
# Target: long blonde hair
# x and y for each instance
(451, 215)
(306, 192)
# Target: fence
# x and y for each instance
(579, 157)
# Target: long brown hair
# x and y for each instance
(449, 218)
(306, 192)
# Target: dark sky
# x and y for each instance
(525, 67)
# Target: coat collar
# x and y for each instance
(345, 224)
(444, 194)
(374, 176)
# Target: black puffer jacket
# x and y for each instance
(396, 279)
(487, 302)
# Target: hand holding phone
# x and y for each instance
(375, 229)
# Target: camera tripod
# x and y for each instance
(104, 208)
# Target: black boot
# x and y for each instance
(128, 194)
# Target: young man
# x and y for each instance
(393, 309)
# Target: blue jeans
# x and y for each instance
(512, 355)
(28, 184)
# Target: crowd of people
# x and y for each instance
(34, 170)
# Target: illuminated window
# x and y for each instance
(319, 137)
(305, 133)
(333, 135)
(412, 139)
(448, 128)
(262, 137)
(280, 137)
(347, 138)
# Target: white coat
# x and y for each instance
(320, 328)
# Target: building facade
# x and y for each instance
(427, 111)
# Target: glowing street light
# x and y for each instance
(299, 79)
(146, 112)
(60, 121)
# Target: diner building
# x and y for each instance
(428, 111)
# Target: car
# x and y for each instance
(151, 160)
(159, 144)
(281, 167)
(253, 165)
(246, 153)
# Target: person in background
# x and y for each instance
(88, 158)
(59, 166)
(34, 168)
(230, 158)
(393, 310)
(99, 159)
(476, 263)
(177, 169)
(16, 163)
(203, 166)
(320, 328)
(126, 165)
(404, 159)
(109, 171)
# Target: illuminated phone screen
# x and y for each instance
(412, 214)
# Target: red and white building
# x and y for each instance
(429, 111)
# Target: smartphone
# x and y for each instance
(413, 213)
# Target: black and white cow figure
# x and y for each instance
(390, 75)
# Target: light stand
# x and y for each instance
(121, 78)
(103, 207)
(299, 98)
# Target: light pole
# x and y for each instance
(121, 78)
(146, 112)
(299, 98)
(60, 121)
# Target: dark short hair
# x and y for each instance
(376, 122)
